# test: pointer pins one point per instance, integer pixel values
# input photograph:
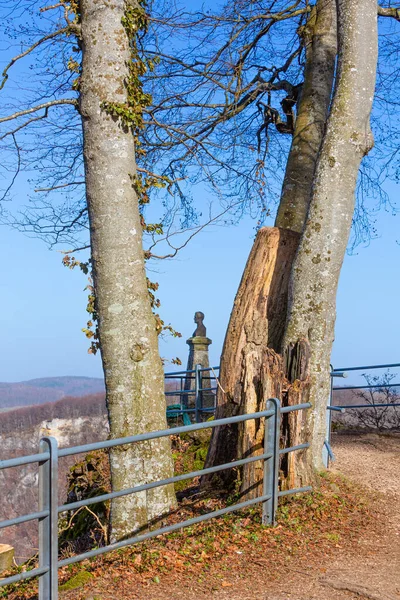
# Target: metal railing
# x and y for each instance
(342, 372)
(198, 410)
(48, 512)
(184, 392)
(198, 390)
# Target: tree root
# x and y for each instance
(360, 590)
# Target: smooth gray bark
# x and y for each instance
(320, 38)
(129, 344)
(257, 321)
(315, 275)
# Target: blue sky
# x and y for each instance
(43, 303)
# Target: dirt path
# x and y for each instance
(373, 461)
(367, 568)
(370, 570)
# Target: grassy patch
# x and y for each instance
(189, 454)
(78, 580)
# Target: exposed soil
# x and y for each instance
(329, 548)
(368, 569)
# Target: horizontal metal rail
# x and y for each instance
(294, 448)
(180, 410)
(366, 387)
(179, 393)
(202, 369)
(153, 435)
(155, 484)
(24, 519)
(24, 575)
(20, 461)
(366, 406)
(301, 490)
(367, 367)
(288, 409)
(48, 479)
(188, 392)
(143, 437)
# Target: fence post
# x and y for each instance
(327, 444)
(271, 465)
(198, 393)
(48, 526)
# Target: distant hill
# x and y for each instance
(73, 421)
(15, 420)
(47, 389)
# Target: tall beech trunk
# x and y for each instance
(320, 39)
(296, 367)
(316, 269)
(258, 317)
(129, 346)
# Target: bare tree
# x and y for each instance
(380, 392)
(242, 63)
(109, 101)
(238, 87)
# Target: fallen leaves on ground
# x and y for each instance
(312, 525)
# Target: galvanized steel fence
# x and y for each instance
(197, 376)
(342, 373)
(49, 511)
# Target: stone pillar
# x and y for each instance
(198, 355)
(6, 557)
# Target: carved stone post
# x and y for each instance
(198, 355)
(6, 557)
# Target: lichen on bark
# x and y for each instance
(134, 380)
(316, 269)
(317, 202)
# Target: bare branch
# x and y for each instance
(68, 29)
(57, 187)
(195, 230)
(389, 12)
(29, 111)
(52, 7)
(87, 247)
(4, 196)
(14, 131)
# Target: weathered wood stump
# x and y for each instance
(255, 367)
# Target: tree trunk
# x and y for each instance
(257, 322)
(129, 344)
(251, 369)
(320, 39)
(303, 372)
(316, 269)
